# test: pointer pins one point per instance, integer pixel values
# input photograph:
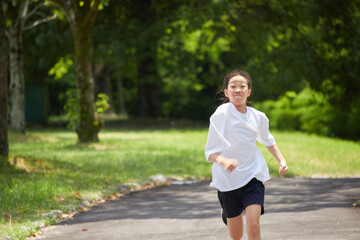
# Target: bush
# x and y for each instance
(311, 112)
(307, 111)
(314, 111)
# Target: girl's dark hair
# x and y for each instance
(233, 73)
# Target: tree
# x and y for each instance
(317, 43)
(81, 16)
(190, 62)
(141, 24)
(4, 146)
(15, 10)
(337, 51)
(18, 12)
(113, 54)
(144, 21)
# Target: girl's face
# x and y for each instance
(237, 90)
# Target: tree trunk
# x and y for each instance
(148, 78)
(120, 93)
(81, 16)
(4, 145)
(17, 82)
(103, 84)
(149, 102)
(89, 126)
(107, 90)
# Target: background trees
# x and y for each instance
(319, 43)
(167, 59)
(4, 146)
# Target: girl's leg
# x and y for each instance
(253, 213)
(235, 227)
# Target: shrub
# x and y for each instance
(307, 111)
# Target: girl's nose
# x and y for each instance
(237, 90)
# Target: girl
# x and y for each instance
(239, 168)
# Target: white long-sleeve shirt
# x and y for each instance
(233, 135)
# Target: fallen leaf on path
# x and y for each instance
(81, 209)
(77, 194)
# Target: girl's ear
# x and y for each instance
(249, 92)
(225, 92)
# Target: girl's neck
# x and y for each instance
(242, 108)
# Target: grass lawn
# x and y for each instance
(52, 172)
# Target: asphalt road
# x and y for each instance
(295, 208)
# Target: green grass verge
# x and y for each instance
(52, 172)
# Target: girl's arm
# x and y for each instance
(228, 163)
(275, 151)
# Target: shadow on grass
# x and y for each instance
(8, 169)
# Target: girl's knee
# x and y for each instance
(253, 213)
(253, 229)
(236, 232)
(253, 224)
(235, 227)
(236, 237)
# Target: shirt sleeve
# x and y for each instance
(264, 136)
(216, 142)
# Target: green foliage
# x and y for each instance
(72, 107)
(307, 111)
(61, 67)
(312, 112)
(186, 47)
(101, 105)
(198, 46)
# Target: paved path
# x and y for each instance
(294, 209)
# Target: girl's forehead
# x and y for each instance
(238, 79)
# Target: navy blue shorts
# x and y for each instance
(234, 202)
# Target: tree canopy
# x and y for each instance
(168, 58)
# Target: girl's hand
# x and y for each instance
(283, 168)
(230, 164)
